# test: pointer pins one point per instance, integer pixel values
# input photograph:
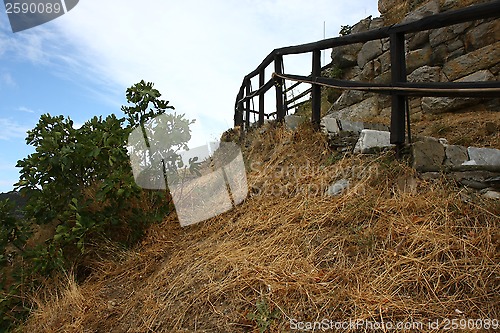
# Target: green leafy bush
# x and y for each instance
(79, 182)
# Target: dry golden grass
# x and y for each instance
(380, 251)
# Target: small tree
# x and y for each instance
(81, 179)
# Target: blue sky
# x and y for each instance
(79, 65)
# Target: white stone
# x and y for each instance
(337, 187)
(483, 156)
(370, 139)
(492, 195)
(329, 125)
(351, 126)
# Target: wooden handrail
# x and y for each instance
(399, 89)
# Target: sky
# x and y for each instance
(195, 52)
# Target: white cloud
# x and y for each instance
(25, 109)
(196, 52)
(7, 80)
(11, 130)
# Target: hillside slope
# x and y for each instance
(392, 247)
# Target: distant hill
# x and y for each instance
(15, 197)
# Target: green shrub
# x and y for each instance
(79, 181)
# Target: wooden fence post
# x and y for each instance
(247, 105)
(261, 96)
(398, 74)
(238, 114)
(278, 63)
(316, 90)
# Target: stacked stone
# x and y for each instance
(463, 52)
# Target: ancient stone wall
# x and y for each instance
(394, 11)
(463, 52)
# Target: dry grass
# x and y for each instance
(380, 251)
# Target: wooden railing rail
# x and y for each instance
(399, 89)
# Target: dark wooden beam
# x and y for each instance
(280, 111)
(484, 89)
(316, 90)
(262, 79)
(247, 106)
(299, 96)
(398, 102)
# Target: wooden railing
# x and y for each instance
(399, 88)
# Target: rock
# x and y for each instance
(383, 78)
(385, 62)
(330, 125)
(351, 126)
(293, 121)
(482, 35)
(474, 179)
(385, 5)
(418, 58)
(386, 44)
(428, 154)
(492, 195)
(369, 51)
(484, 156)
(376, 23)
(352, 72)
(363, 25)
(455, 54)
(472, 62)
(429, 8)
(435, 105)
(439, 56)
(337, 187)
(368, 72)
(371, 139)
(418, 40)
(442, 35)
(346, 56)
(455, 155)
(348, 98)
(365, 109)
(390, 7)
(456, 45)
(473, 184)
(425, 74)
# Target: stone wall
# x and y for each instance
(462, 52)
(394, 11)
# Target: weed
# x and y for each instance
(263, 316)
